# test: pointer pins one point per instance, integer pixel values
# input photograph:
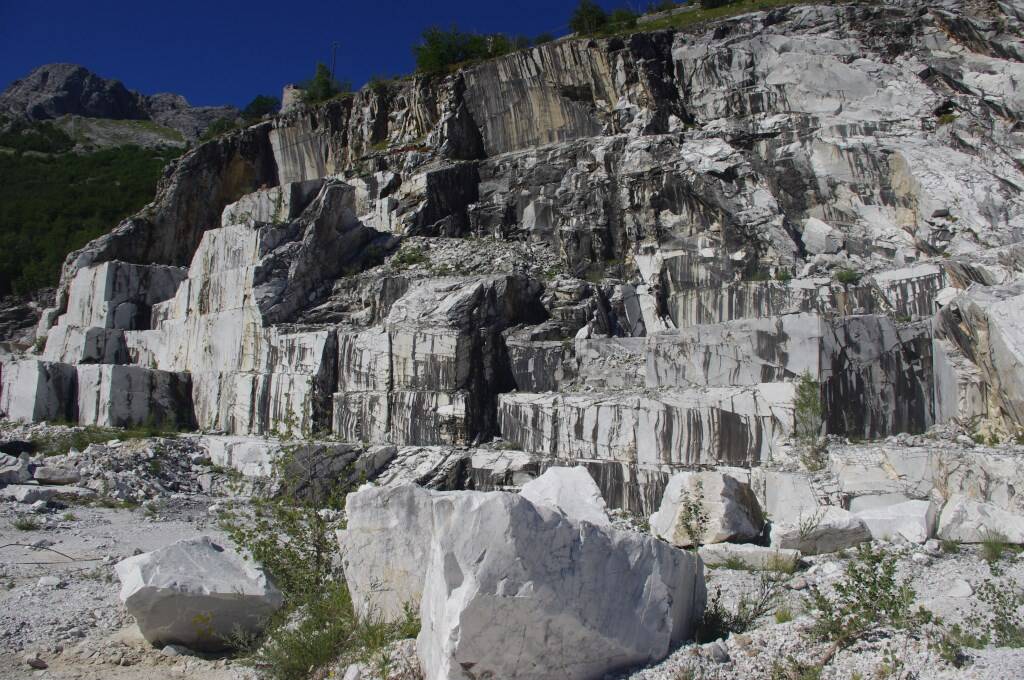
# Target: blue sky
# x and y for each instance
(226, 52)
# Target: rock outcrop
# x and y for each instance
(54, 90)
(639, 255)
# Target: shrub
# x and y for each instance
(543, 38)
(50, 206)
(26, 524)
(807, 412)
(693, 517)
(408, 257)
(322, 86)
(42, 137)
(662, 6)
(622, 19)
(588, 18)
(783, 275)
(848, 277)
(718, 621)
(994, 546)
(783, 614)
(293, 537)
(868, 598)
(712, 4)
(439, 50)
(950, 547)
(219, 127)
(261, 105)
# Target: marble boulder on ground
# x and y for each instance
(511, 589)
(732, 510)
(196, 593)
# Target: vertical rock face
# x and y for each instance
(622, 253)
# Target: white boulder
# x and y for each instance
(732, 510)
(819, 237)
(14, 469)
(826, 530)
(912, 520)
(516, 590)
(196, 593)
(506, 588)
(970, 521)
(571, 491)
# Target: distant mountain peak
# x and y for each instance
(54, 90)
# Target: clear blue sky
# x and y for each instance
(225, 52)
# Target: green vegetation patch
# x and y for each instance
(50, 206)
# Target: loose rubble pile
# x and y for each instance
(756, 289)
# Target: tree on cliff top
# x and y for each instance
(322, 86)
(588, 18)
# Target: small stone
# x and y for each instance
(921, 558)
(933, 547)
(33, 661)
(798, 583)
(48, 582)
(960, 588)
(719, 652)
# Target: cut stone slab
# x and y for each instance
(912, 520)
(32, 390)
(31, 493)
(125, 396)
(825, 531)
(970, 521)
(731, 507)
(196, 593)
(757, 557)
(571, 491)
(57, 476)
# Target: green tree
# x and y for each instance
(322, 86)
(219, 127)
(622, 18)
(440, 50)
(588, 18)
(261, 105)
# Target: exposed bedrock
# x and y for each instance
(620, 253)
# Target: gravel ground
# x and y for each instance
(58, 592)
(59, 599)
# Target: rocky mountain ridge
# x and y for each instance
(55, 90)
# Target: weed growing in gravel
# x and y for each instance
(999, 619)
(719, 621)
(994, 547)
(26, 524)
(60, 443)
(783, 614)
(293, 537)
(950, 547)
(867, 599)
(68, 517)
